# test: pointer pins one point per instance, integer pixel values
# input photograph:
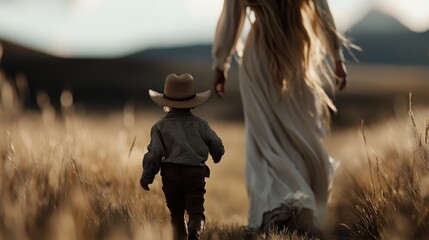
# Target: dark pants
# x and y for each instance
(184, 189)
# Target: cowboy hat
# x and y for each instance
(179, 92)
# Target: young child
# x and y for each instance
(179, 146)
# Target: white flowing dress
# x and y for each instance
(287, 165)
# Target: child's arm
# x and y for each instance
(152, 159)
(216, 148)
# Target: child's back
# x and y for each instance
(180, 144)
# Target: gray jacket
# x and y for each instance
(180, 138)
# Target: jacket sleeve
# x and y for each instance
(216, 148)
(227, 33)
(329, 34)
(152, 159)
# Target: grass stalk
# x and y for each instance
(126, 165)
(367, 154)
(427, 131)
(417, 136)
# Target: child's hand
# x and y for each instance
(146, 187)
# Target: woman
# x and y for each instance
(282, 74)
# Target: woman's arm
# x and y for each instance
(227, 34)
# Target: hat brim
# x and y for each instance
(199, 99)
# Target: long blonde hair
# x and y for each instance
(295, 38)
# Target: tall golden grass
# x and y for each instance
(381, 191)
(76, 176)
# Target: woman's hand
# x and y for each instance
(219, 82)
(341, 75)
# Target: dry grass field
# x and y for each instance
(76, 176)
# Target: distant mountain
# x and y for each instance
(384, 40)
(199, 52)
(377, 22)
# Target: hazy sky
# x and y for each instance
(117, 27)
